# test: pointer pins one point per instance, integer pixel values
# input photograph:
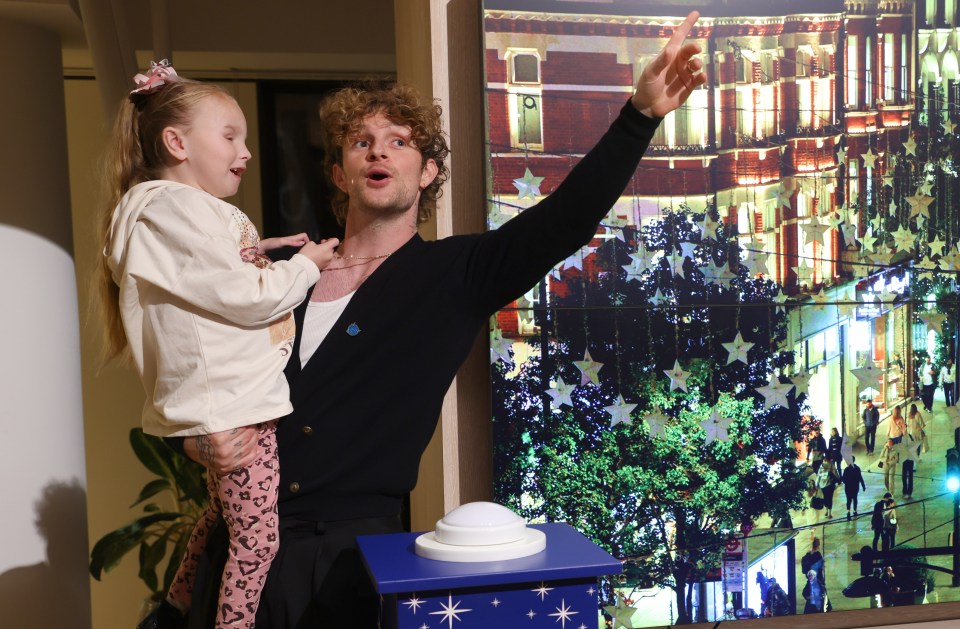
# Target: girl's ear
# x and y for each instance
(175, 143)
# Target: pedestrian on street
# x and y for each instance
(871, 419)
(816, 449)
(827, 480)
(908, 460)
(853, 481)
(896, 426)
(889, 538)
(928, 380)
(889, 461)
(916, 435)
(876, 520)
(833, 448)
(948, 378)
(777, 603)
(814, 594)
(813, 561)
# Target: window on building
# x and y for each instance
(691, 120)
(949, 12)
(852, 69)
(824, 101)
(767, 110)
(903, 69)
(525, 92)
(853, 181)
(868, 74)
(803, 62)
(889, 68)
(805, 105)
(745, 112)
(930, 14)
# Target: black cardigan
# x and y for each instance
(367, 402)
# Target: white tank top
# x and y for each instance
(317, 323)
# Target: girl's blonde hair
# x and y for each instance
(137, 154)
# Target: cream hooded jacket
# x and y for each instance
(210, 333)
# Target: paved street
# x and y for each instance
(925, 523)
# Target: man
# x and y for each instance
(816, 450)
(852, 479)
(813, 594)
(387, 327)
(948, 376)
(876, 520)
(928, 374)
(871, 419)
(889, 538)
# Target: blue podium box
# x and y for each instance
(554, 588)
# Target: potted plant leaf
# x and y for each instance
(171, 505)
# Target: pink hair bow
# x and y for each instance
(160, 72)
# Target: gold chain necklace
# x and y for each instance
(337, 256)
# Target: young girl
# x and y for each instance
(185, 284)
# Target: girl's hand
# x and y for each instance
(672, 76)
(223, 452)
(268, 244)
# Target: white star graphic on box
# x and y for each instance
(620, 412)
(591, 591)
(563, 613)
(738, 349)
(531, 614)
(542, 591)
(413, 604)
(450, 611)
(528, 186)
(678, 377)
(495, 602)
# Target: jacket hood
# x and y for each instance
(125, 218)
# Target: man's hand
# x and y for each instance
(224, 451)
(297, 240)
(672, 76)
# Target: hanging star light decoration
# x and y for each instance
(892, 160)
(869, 158)
(801, 382)
(934, 320)
(755, 264)
(622, 614)
(688, 249)
(708, 227)
(813, 231)
(804, 273)
(716, 428)
(888, 180)
(868, 377)
(781, 301)
(910, 146)
(904, 238)
(620, 412)
(656, 423)
(675, 264)
(737, 349)
(948, 125)
(678, 377)
(833, 221)
(936, 246)
(920, 205)
(868, 240)
(560, 394)
(528, 186)
(841, 155)
(589, 369)
(782, 198)
(615, 225)
(820, 300)
(775, 392)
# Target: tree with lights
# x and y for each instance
(654, 417)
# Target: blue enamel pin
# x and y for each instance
(353, 329)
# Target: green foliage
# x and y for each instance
(161, 532)
(663, 504)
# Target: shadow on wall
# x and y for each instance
(54, 593)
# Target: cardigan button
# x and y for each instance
(308, 430)
(294, 487)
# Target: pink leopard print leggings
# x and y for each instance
(247, 500)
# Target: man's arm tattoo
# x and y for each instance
(205, 449)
